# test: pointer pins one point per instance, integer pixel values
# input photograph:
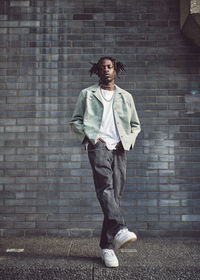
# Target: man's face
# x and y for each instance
(107, 72)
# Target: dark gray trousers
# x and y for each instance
(109, 173)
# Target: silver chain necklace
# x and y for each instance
(104, 96)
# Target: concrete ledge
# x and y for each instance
(53, 258)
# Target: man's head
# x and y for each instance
(107, 69)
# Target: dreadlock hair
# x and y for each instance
(118, 66)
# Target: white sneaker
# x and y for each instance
(123, 238)
(109, 258)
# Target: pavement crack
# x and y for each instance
(69, 249)
(92, 273)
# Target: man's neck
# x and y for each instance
(109, 86)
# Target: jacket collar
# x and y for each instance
(96, 91)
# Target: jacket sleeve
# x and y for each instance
(76, 122)
(135, 123)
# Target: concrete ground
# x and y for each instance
(52, 258)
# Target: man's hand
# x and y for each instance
(119, 146)
(101, 140)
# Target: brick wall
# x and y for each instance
(46, 185)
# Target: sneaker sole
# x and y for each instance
(128, 242)
(110, 266)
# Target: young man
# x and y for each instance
(105, 119)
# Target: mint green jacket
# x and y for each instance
(87, 116)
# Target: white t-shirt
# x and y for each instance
(108, 130)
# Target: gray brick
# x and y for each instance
(158, 195)
(6, 180)
(72, 195)
(191, 218)
(7, 225)
(36, 202)
(21, 157)
(169, 202)
(17, 217)
(69, 210)
(82, 17)
(60, 203)
(170, 218)
(181, 210)
(6, 151)
(9, 24)
(158, 165)
(147, 202)
(15, 129)
(5, 195)
(158, 210)
(29, 23)
(35, 217)
(46, 225)
(181, 195)
(169, 188)
(147, 218)
(13, 233)
(81, 172)
(24, 225)
(14, 187)
(159, 225)
(196, 195)
(25, 180)
(37, 187)
(3, 30)
(191, 202)
(3, 17)
(26, 164)
(14, 202)
(15, 173)
(19, 3)
(20, 195)
(50, 180)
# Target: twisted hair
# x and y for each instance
(118, 66)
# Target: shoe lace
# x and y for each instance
(108, 252)
(121, 231)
